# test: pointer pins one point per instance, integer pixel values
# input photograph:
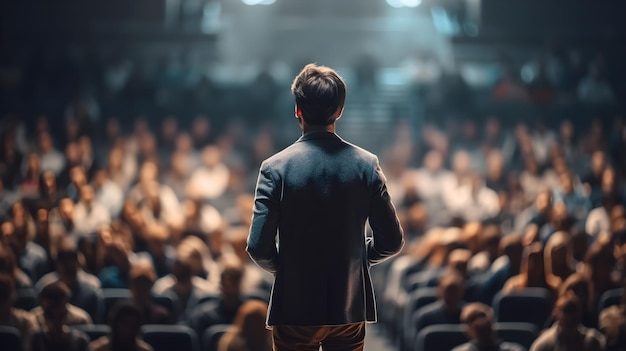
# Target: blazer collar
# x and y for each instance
(318, 134)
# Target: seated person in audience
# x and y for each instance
(532, 271)
(113, 251)
(223, 309)
(598, 265)
(89, 215)
(61, 219)
(55, 294)
(248, 332)
(55, 316)
(612, 323)
(558, 259)
(568, 333)
(488, 245)
(85, 288)
(142, 278)
(23, 321)
(159, 251)
(255, 279)
(478, 319)
(8, 266)
(447, 308)
(125, 321)
(504, 267)
(441, 259)
(30, 257)
(201, 261)
(182, 284)
(581, 286)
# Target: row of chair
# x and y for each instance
(444, 337)
(160, 337)
(531, 305)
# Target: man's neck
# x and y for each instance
(306, 128)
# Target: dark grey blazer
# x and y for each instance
(308, 229)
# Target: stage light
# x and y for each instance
(412, 3)
(258, 2)
(404, 3)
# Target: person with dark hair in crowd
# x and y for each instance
(142, 278)
(23, 321)
(58, 289)
(29, 180)
(61, 220)
(54, 317)
(532, 271)
(9, 266)
(30, 257)
(10, 159)
(85, 288)
(49, 193)
(248, 332)
(447, 308)
(598, 266)
(478, 319)
(315, 197)
(125, 321)
(224, 309)
(159, 251)
(507, 265)
(581, 286)
(568, 333)
(186, 287)
(612, 323)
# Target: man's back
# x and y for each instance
(322, 191)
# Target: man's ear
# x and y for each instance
(339, 113)
(298, 112)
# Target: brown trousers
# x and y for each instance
(349, 337)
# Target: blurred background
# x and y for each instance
(497, 122)
(404, 60)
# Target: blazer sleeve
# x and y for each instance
(261, 244)
(387, 236)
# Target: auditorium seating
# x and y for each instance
(170, 337)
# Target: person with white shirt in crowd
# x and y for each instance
(599, 219)
(89, 215)
(430, 184)
(474, 201)
(51, 159)
(210, 180)
(108, 193)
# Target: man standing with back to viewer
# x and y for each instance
(308, 227)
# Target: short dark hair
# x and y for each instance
(124, 309)
(320, 92)
(7, 287)
(56, 292)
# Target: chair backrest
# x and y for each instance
(94, 331)
(208, 298)
(260, 295)
(417, 299)
(610, 298)
(530, 305)
(165, 301)
(26, 299)
(521, 333)
(170, 337)
(211, 336)
(10, 339)
(110, 297)
(441, 337)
